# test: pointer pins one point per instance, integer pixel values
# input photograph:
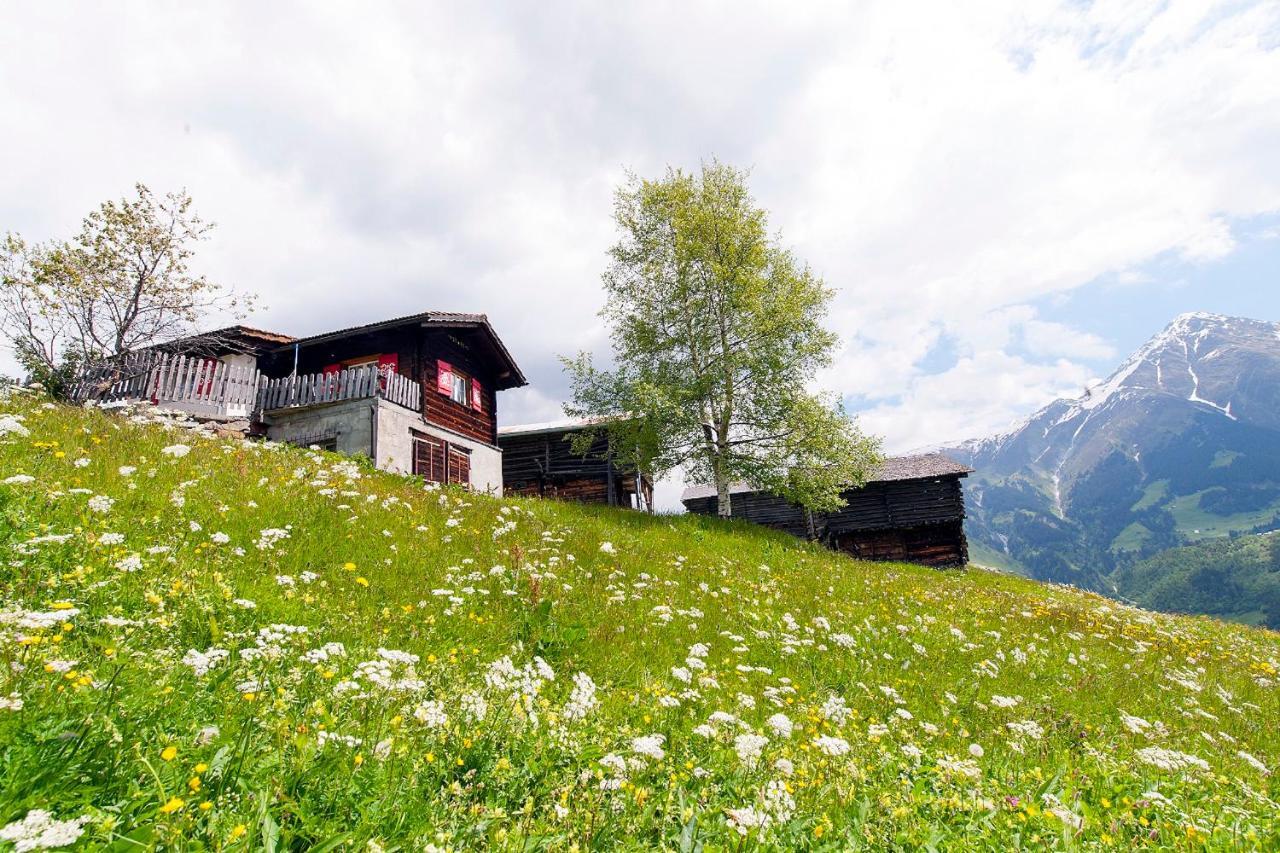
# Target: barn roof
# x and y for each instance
(437, 319)
(918, 467)
(547, 427)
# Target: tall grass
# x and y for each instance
(224, 644)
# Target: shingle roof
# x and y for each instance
(407, 319)
(562, 425)
(441, 318)
(919, 467)
(250, 332)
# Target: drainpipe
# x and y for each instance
(373, 431)
(295, 360)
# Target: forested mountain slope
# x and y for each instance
(1180, 444)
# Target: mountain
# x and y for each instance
(1180, 444)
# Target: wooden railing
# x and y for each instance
(201, 386)
(216, 389)
(354, 383)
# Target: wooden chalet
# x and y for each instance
(910, 510)
(538, 460)
(418, 394)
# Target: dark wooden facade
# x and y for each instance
(538, 460)
(415, 347)
(912, 510)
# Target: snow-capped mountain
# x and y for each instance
(1180, 443)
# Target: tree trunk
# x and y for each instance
(723, 501)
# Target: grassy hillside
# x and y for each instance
(1236, 579)
(230, 645)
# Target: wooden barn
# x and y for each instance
(538, 460)
(910, 510)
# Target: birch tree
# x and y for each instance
(717, 333)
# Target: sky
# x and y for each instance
(1007, 197)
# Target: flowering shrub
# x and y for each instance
(239, 644)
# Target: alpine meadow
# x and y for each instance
(223, 644)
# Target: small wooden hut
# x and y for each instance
(910, 510)
(538, 460)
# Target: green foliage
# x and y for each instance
(1231, 578)
(980, 711)
(717, 330)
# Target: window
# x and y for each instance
(438, 461)
(459, 465)
(461, 393)
(428, 459)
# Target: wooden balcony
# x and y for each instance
(213, 389)
(354, 383)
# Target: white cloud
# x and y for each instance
(943, 168)
(1047, 339)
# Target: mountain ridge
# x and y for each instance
(1178, 443)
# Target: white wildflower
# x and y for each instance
(749, 747)
(649, 745)
(39, 831)
(832, 746)
(781, 725)
(431, 714)
(202, 662)
(1170, 759)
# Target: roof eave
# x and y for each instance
(511, 377)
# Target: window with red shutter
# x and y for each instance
(477, 396)
(388, 363)
(444, 378)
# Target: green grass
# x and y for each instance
(981, 554)
(1198, 524)
(288, 742)
(1131, 538)
(1154, 493)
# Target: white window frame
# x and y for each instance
(461, 393)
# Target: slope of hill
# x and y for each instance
(214, 642)
(1237, 579)
(1180, 444)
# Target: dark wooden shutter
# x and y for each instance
(429, 459)
(459, 466)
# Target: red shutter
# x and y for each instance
(477, 397)
(207, 367)
(388, 363)
(444, 377)
(332, 368)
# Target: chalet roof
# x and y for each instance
(255, 334)
(562, 425)
(436, 319)
(918, 467)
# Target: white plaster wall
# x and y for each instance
(241, 359)
(396, 426)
